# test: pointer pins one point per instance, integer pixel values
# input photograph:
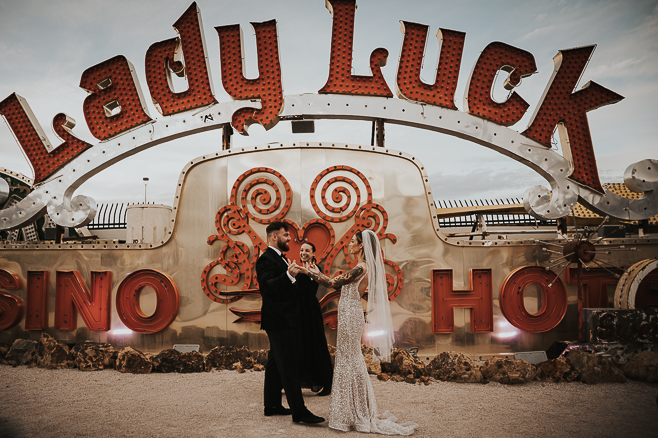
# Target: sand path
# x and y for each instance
(71, 403)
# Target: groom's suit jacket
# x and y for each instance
(279, 308)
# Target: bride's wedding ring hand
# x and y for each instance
(312, 267)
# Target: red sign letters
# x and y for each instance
(115, 103)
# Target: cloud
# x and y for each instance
(540, 32)
(484, 183)
(626, 68)
(649, 27)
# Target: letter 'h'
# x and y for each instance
(479, 298)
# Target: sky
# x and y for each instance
(46, 46)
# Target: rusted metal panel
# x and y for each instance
(602, 326)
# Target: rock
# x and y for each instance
(397, 378)
(238, 367)
(94, 356)
(53, 354)
(403, 363)
(226, 357)
(372, 363)
(643, 366)
(193, 362)
(258, 367)
(166, 361)
(383, 377)
(23, 352)
(260, 357)
(450, 366)
(173, 361)
(410, 379)
(374, 367)
(594, 368)
(619, 354)
(4, 349)
(133, 361)
(556, 370)
(425, 380)
(509, 371)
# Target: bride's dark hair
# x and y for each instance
(359, 236)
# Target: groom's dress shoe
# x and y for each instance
(279, 410)
(325, 391)
(307, 417)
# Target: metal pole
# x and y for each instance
(227, 131)
(379, 134)
(146, 181)
(372, 135)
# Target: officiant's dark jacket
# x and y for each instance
(279, 294)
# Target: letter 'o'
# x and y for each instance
(167, 301)
(553, 298)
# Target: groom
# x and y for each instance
(279, 314)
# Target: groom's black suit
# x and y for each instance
(279, 314)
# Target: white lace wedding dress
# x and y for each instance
(352, 399)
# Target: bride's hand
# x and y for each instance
(311, 267)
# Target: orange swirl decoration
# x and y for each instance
(230, 219)
(237, 267)
(373, 217)
(394, 284)
(234, 256)
(260, 197)
(341, 189)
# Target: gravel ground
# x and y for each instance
(71, 403)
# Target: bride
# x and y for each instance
(352, 399)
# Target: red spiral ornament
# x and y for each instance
(340, 193)
(237, 265)
(230, 219)
(260, 199)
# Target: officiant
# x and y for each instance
(316, 370)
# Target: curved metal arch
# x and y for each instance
(55, 194)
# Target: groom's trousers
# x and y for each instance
(282, 371)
